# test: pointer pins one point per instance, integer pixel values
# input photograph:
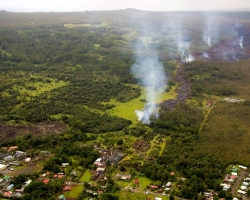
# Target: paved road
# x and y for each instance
(238, 181)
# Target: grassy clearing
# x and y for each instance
(5, 52)
(127, 110)
(111, 139)
(40, 87)
(6, 94)
(86, 176)
(171, 94)
(124, 184)
(87, 25)
(59, 116)
(157, 145)
(144, 182)
(131, 35)
(127, 195)
(73, 193)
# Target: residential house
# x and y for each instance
(98, 161)
(2, 167)
(100, 169)
(168, 184)
(241, 192)
(45, 152)
(116, 157)
(6, 178)
(27, 160)
(243, 187)
(67, 188)
(9, 158)
(65, 165)
(4, 154)
(61, 197)
(126, 177)
(154, 187)
(26, 183)
(18, 194)
(7, 194)
(20, 190)
(12, 148)
(46, 181)
(20, 155)
(245, 183)
(10, 186)
(242, 167)
(73, 173)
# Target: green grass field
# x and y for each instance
(86, 176)
(127, 110)
(157, 146)
(127, 195)
(144, 182)
(87, 25)
(39, 87)
(73, 193)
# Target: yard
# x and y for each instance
(75, 190)
(86, 176)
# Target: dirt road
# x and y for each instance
(238, 181)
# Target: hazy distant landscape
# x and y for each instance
(131, 100)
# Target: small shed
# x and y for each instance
(6, 178)
(241, 192)
(234, 173)
(243, 187)
(27, 160)
(168, 184)
(234, 170)
(65, 164)
(46, 181)
(245, 183)
(61, 197)
(2, 167)
(10, 186)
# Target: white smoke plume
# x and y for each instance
(205, 56)
(207, 40)
(189, 58)
(241, 41)
(211, 32)
(150, 73)
(183, 46)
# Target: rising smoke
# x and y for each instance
(183, 46)
(211, 31)
(219, 39)
(241, 41)
(150, 73)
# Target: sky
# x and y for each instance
(93, 5)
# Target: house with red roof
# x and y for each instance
(7, 194)
(12, 148)
(67, 188)
(154, 187)
(46, 181)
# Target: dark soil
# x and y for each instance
(140, 146)
(224, 51)
(183, 90)
(8, 131)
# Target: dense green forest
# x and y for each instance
(75, 69)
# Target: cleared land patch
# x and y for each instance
(127, 110)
